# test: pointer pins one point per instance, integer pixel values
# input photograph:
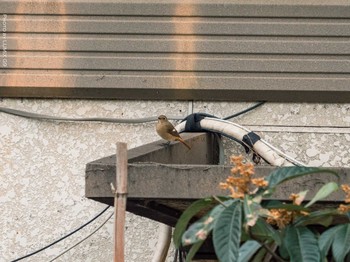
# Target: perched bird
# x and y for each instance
(167, 131)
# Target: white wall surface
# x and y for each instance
(42, 165)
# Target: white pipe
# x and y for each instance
(163, 243)
(273, 155)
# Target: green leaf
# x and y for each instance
(301, 244)
(262, 230)
(200, 229)
(324, 191)
(247, 250)
(348, 215)
(320, 217)
(227, 233)
(341, 243)
(193, 250)
(286, 173)
(271, 203)
(282, 249)
(186, 216)
(251, 210)
(326, 239)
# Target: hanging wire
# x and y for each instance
(85, 238)
(36, 116)
(64, 237)
(245, 110)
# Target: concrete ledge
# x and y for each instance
(164, 180)
(160, 181)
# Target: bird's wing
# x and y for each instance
(174, 132)
(171, 130)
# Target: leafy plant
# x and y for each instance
(247, 226)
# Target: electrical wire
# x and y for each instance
(36, 116)
(70, 119)
(245, 110)
(60, 239)
(85, 238)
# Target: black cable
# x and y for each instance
(36, 116)
(182, 256)
(245, 110)
(176, 255)
(85, 238)
(71, 233)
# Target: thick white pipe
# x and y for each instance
(274, 156)
(163, 244)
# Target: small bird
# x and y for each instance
(167, 131)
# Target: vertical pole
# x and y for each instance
(120, 201)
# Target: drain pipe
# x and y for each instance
(163, 243)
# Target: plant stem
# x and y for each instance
(268, 249)
(217, 199)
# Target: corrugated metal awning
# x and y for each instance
(186, 50)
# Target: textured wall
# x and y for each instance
(42, 165)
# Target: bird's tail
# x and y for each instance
(183, 142)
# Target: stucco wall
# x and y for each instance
(42, 165)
